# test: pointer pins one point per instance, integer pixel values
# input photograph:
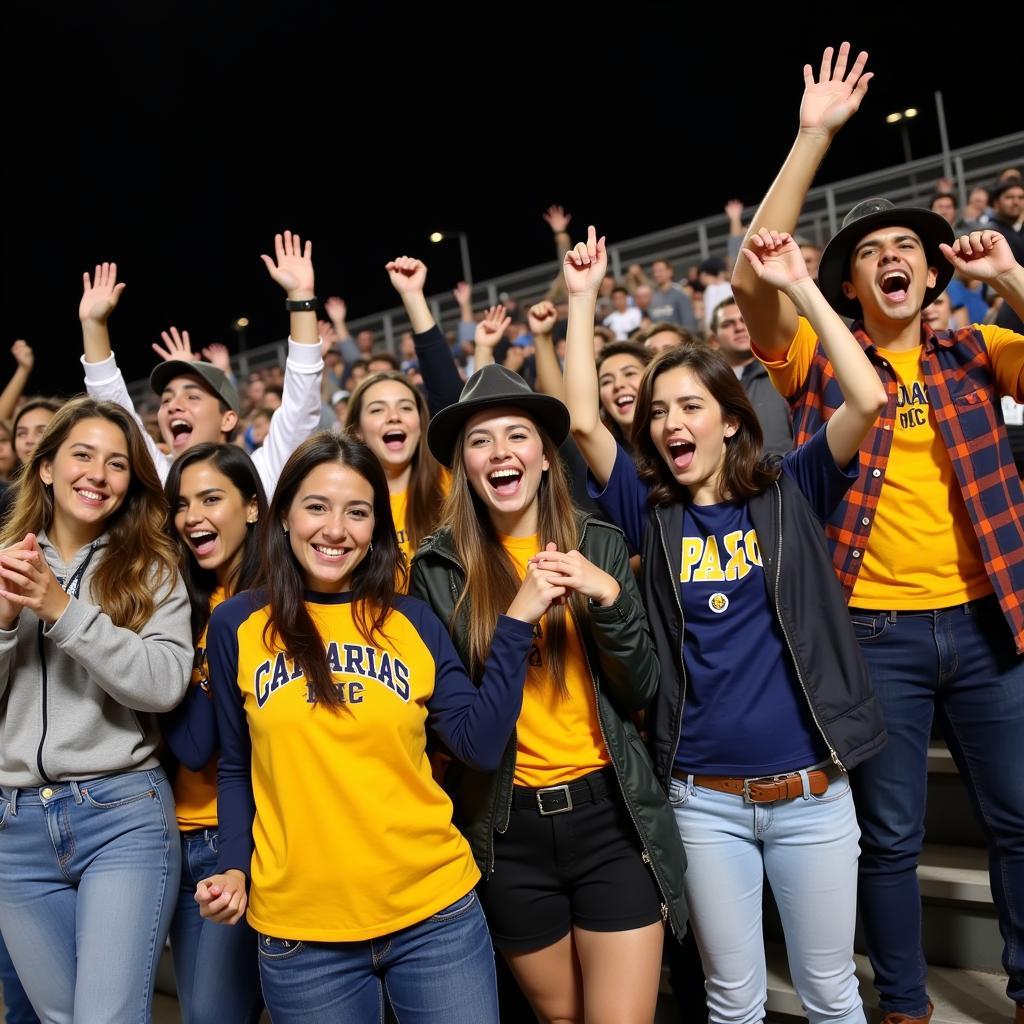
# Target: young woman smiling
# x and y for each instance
(216, 503)
(324, 682)
(390, 416)
(754, 641)
(575, 776)
(94, 643)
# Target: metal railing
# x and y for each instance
(907, 184)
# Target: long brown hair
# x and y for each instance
(745, 470)
(290, 625)
(491, 581)
(425, 494)
(139, 558)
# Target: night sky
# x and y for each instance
(176, 139)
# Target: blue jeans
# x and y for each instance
(90, 871)
(808, 849)
(959, 664)
(17, 1008)
(440, 971)
(215, 965)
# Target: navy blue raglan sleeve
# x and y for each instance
(190, 730)
(813, 469)
(624, 498)
(474, 722)
(236, 806)
(441, 379)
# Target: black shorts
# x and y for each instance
(580, 867)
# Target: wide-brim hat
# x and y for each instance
(834, 267)
(215, 379)
(491, 387)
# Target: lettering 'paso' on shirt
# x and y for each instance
(745, 713)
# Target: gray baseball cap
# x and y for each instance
(215, 380)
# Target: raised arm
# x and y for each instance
(558, 220)
(827, 105)
(440, 375)
(776, 260)
(542, 318)
(489, 332)
(25, 359)
(584, 268)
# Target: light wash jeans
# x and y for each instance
(215, 965)
(440, 971)
(88, 877)
(808, 847)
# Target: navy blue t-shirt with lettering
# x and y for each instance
(745, 713)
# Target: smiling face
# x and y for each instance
(689, 432)
(30, 428)
(618, 381)
(211, 517)
(389, 424)
(90, 475)
(190, 414)
(730, 336)
(503, 456)
(889, 274)
(330, 526)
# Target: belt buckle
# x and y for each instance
(541, 793)
(748, 799)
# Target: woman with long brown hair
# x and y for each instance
(324, 680)
(94, 643)
(764, 700)
(388, 414)
(574, 777)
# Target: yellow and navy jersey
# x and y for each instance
(334, 814)
(195, 787)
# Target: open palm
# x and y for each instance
(292, 266)
(831, 101)
(100, 293)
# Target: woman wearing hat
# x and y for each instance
(580, 856)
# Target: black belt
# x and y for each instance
(558, 799)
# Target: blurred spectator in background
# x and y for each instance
(944, 204)
(811, 254)
(1007, 211)
(712, 275)
(975, 213)
(669, 303)
(624, 319)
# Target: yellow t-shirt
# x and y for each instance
(558, 738)
(922, 550)
(353, 838)
(399, 504)
(195, 793)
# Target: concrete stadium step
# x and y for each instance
(949, 815)
(960, 997)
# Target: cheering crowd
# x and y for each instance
(551, 638)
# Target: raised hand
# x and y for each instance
(542, 318)
(23, 355)
(218, 355)
(336, 310)
(407, 274)
(981, 255)
(493, 326)
(734, 211)
(28, 582)
(463, 294)
(539, 590)
(831, 101)
(222, 898)
(574, 572)
(775, 258)
(558, 219)
(585, 265)
(100, 293)
(178, 346)
(292, 266)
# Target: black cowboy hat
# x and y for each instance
(834, 268)
(488, 388)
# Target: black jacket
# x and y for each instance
(805, 596)
(626, 675)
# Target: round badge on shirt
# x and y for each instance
(718, 602)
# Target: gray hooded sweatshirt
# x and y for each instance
(80, 699)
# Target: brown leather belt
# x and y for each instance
(767, 790)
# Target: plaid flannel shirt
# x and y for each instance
(962, 392)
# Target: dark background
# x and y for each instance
(176, 140)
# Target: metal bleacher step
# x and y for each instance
(960, 996)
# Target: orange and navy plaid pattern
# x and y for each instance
(962, 392)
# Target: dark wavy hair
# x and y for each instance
(374, 582)
(746, 471)
(200, 583)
